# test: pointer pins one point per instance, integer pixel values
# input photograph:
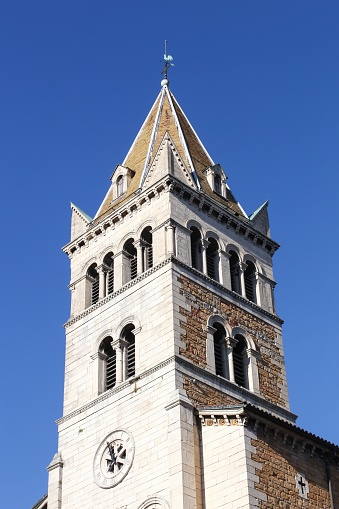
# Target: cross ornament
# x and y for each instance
(302, 485)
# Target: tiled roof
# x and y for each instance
(167, 116)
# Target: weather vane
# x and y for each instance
(168, 59)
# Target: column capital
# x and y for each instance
(209, 329)
(204, 243)
(138, 243)
(99, 355)
(119, 344)
(230, 342)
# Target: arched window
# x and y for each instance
(212, 259)
(128, 336)
(93, 276)
(120, 185)
(147, 248)
(239, 352)
(250, 281)
(196, 248)
(109, 360)
(219, 349)
(217, 183)
(235, 272)
(130, 257)
(108, 263)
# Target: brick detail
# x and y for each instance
(202, 303)
(205, 395)
(280, 463)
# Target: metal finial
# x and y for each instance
(167, 64)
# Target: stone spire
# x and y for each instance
(166, 118)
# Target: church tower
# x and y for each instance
(175, 385)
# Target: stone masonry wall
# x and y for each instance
(204, 395)
(281, 461)
(203, 303)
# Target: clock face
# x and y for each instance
(113, 458)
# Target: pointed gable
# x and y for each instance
(168, 161)
(80, 221)
(167, 118)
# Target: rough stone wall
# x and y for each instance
(277, 478)
(203, 303)
(205, 395)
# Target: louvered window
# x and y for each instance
(110, 363)
(147, 248)
(196, 248)
(108, 263)
(131, 358)
(128, 336)
(94, 282)
(250, 281)
(212, 259)
(111, 371)
(238, 361)
(133, 262)
(110, 281)
(235, 272)
(219, 346)
(130, 254)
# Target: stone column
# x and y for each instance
(230, 344)
(257, 289)
(250, 361)
(102, 282)
(140, 262)
(119, 346)
(204, 246)
(242, 268)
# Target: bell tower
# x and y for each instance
(173, 344)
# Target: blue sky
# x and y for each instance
(258, 80)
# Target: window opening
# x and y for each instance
(131, 254)
(238, 361)
(218, 337)
(250, 281)
(120, 186)
(196, 248)
(217, 183)
(94, 278)
(235, 272)
(109, 263)
(147, 248)
(106, 348)
(212, 258)
(129, 337)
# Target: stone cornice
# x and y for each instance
(225, 216)
(172, 259)
(234, 390)
(235, 295)
(270, 426)
(290, 434)
(111, 392)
